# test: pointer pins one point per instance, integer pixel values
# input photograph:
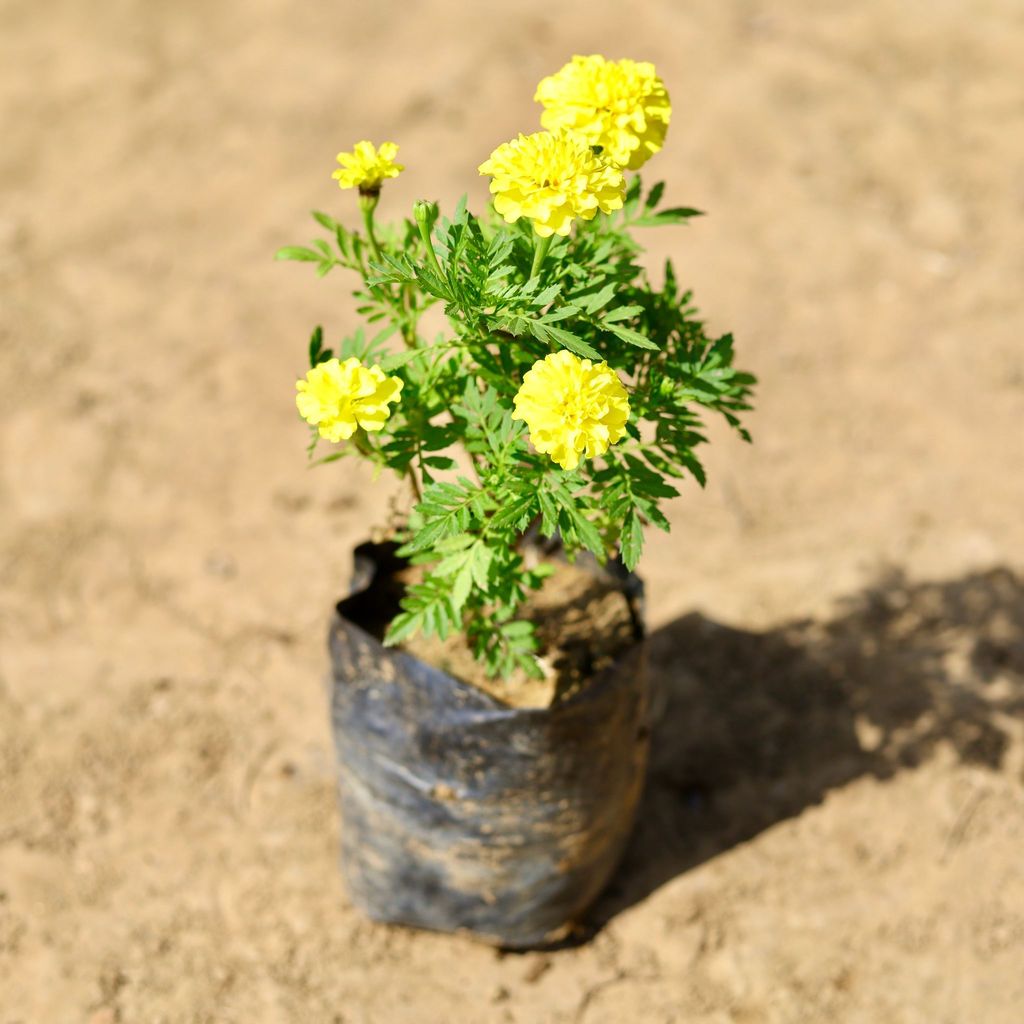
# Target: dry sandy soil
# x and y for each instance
(834, 827)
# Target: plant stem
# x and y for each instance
(539, 252)
(417, 491)
(423, 213)
(368, 203)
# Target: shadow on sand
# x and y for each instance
(751, 728)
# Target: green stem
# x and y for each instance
(368, 203)
(422, 213)
(416, 490)
(539, 252)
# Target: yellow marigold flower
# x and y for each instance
(621, 106)
(552, 178)
(366, 167)
(572, 407)
(338, 397)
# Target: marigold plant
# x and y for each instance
(564, 398)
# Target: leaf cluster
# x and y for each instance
(481, 491)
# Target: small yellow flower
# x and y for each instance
(552, 178)
(572, 407)
(366, 167)
(338, 397)
(621, 106)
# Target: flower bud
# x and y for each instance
(424, 212)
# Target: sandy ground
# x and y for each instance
(834, 828)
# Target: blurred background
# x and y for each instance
(834, 824)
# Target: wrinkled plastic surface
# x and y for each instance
(462, 814)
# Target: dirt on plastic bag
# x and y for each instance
(462, 813)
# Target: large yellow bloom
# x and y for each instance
(552, 178)
(621, 106)
(338, 397)
(572, 407)
(366, 167)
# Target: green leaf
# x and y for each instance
(631, 337)
(561, 313)
(631, 540)
(516, 512)
(548, 295)
(440, 462)
(589, 535)
(573, 521)
(316, 344)
(462, 585)
(297, 252)
(565, 339)
(518, 628)
(325, 221)
(403, 625)
(654, 196)
(395, 360)
(593, 301)
(674, 215)
(547, 334)
(621, 313)
(480, 564)
(499, 249)
(451, 565)
(446, 509)
(549, 514)
(457, 543)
